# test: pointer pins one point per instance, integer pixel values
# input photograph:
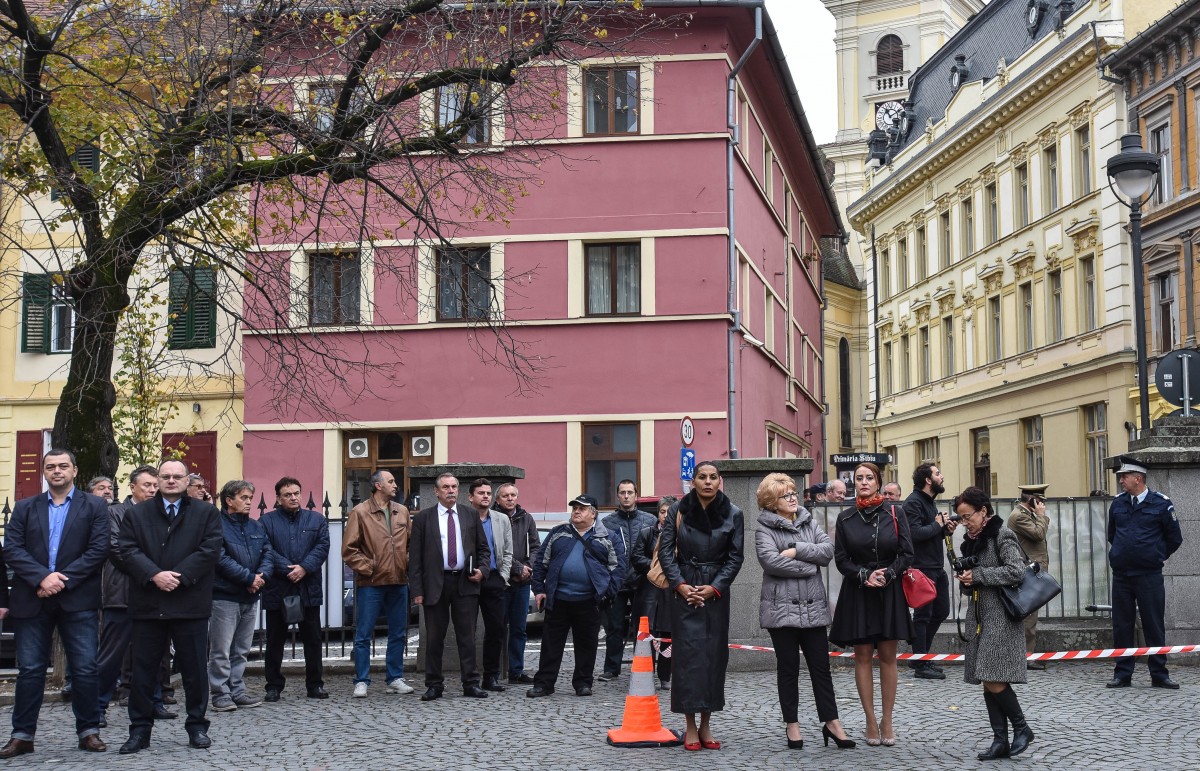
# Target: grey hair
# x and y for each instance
(91, 485)
(233, 488)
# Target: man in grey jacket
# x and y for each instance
(624, 525)
(498, 530)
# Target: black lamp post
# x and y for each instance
(1134, 171)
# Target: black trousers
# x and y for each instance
(1145, 596)
(582, 619)
(114, 647)
(491, 607)
(150, 638)
(789, 642)
(310, 636)
(662, 664)
(617, 626)
(462, 609)
(926, 620)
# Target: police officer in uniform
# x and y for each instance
(1030, 522)
(1143, 531)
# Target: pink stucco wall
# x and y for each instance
(431, 375)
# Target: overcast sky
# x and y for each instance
(806, 29)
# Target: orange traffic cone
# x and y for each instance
(642, 725)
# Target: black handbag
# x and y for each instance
(293, 611)
(1036, 589)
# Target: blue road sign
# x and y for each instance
(687, 464)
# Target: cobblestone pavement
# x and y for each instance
(940, 725)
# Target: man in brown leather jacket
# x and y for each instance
(375, 546)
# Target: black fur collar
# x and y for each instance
(701, 518)
(989, 533)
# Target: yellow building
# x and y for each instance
(36, 334)
(998, 279)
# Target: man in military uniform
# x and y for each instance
(1030, 522)
(1143, 531)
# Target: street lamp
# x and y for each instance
(1134, 171)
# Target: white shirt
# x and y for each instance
(461, 563)
(1137, 499)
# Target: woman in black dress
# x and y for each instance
(700, 559)
(872, 549)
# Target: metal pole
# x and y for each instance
(1187, 387)
(1139, 310)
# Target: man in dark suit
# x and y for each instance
(56, 543)
(169, 546)
(448, 560)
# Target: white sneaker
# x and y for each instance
(360, 690)
(399, 686)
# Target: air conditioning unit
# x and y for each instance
(359, 448)
(422, 446)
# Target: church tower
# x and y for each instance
(879, 44)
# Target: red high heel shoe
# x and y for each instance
(692, 746)
(711, 745)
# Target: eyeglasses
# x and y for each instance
(172, 477)
(789, 496)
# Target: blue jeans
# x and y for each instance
(369, 602)
(80, 634)
(516, 613)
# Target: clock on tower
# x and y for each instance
(886, 114)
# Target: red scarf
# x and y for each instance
(868, 503)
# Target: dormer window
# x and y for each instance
(958, 72)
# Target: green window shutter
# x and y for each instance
(204, 308)
(191, 305)
(35, 313)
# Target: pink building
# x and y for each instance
(616, 271)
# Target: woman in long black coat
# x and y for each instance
(700, 560)
(652, 602)
(872, 549)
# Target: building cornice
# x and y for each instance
(1073, 55)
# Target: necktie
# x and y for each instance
(171, 511)
(451, 541)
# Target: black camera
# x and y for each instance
(967, 563)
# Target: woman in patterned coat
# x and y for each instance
(995, 650)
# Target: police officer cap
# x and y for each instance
(1038, 490)
(1129, 465)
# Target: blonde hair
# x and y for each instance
(773, 486)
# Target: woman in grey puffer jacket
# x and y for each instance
(793, 607)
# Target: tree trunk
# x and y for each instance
(83, 423)
(57, 677)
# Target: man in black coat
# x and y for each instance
(169, 546)
(448, 558)
(56, 543)
(300, 543)
(928, 527)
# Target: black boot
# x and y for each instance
(999, 748)
(1011, 708)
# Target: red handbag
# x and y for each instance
(919, 589)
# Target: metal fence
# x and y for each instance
(1076, 543)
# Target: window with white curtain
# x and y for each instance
(614, 279)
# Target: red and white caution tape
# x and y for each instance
(662, 645)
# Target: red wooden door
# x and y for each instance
(200, 454)
(29, 464)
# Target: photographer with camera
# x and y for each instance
(994, 655)
(1030, 522)
(928, 527)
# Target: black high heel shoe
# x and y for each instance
(842, 744)
(795, 744)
